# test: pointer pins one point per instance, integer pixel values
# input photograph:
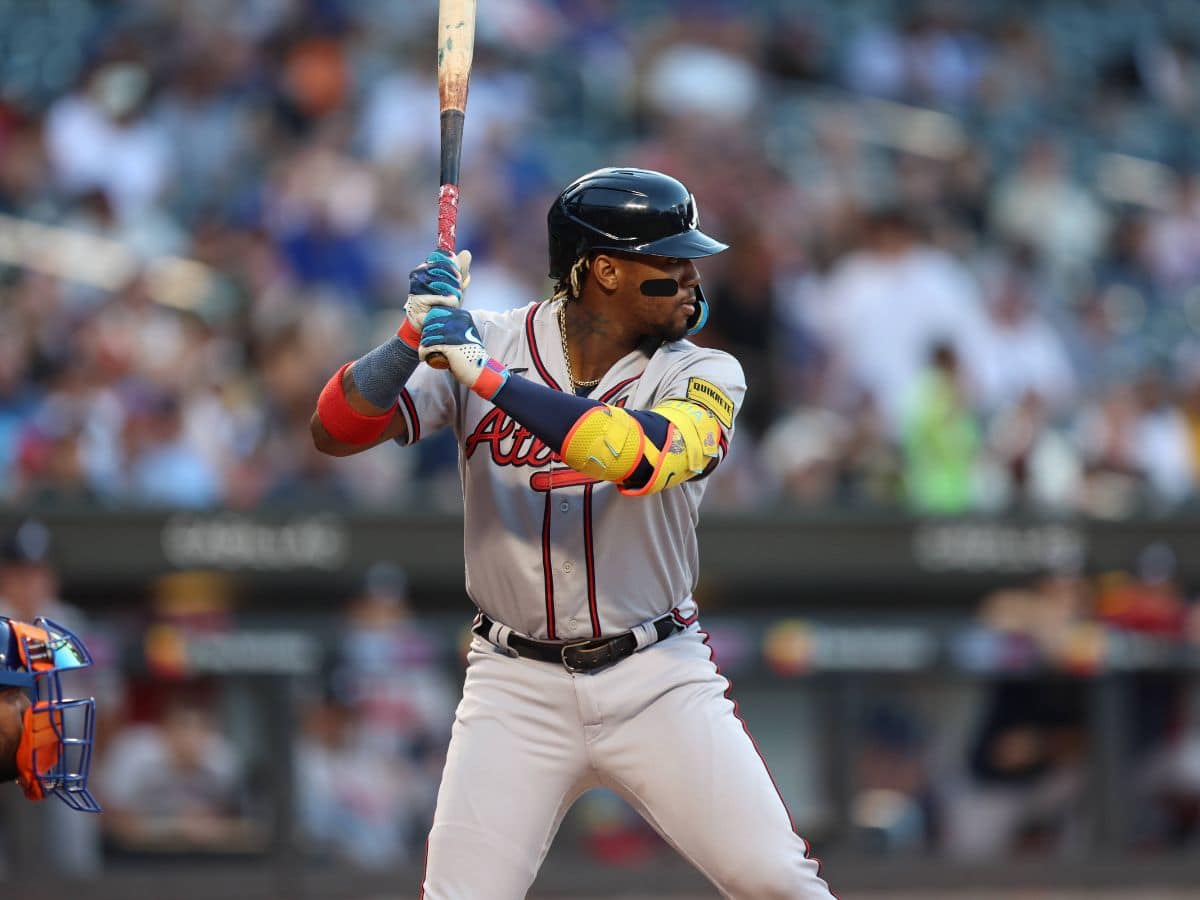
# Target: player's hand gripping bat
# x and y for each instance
(456, 46)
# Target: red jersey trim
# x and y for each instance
(547, 567)
(414, 423)
(534, 354)
(589, 558)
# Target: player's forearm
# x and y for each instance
(357, 407)
(374, 382)
(324, 442)
(548, 414)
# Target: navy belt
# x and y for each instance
(574, 656)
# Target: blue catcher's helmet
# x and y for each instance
(55, 752)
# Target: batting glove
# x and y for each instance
(439, 281)
(452, 333)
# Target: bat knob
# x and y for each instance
(438, 361)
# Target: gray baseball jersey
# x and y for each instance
(550, 552)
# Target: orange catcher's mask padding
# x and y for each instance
(40, 748)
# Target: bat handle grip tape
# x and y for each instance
(447, 221)
(447, 218)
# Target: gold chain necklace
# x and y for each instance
(562, 333)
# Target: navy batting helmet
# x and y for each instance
(635, 211)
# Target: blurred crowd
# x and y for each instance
(965, 264)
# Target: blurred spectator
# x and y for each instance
(1113, 479)
(818, 456)
(887, 302)
(1039, 467)
(1172, 241)
(1023, 777)
(164, 469)
(322, 215)
(390, 670)
(1043, 206)
(893, 810)
(1191, 411)
(176, 785)
(871, 469)
(941, 439)
(102, 138)
(1139, 436)
(803, 452)
(1026, 768)
(678, 83)
(355, 802)
(1147, 601)
(393, 714)
(1024, 354)
(1159, 736)
(874, 60)
(1163, 446)
(28, 581)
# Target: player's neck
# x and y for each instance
(596, 339)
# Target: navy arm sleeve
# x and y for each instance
(550, 414)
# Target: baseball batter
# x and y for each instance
(587, 424)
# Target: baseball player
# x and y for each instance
(586, 424)
(45, 739)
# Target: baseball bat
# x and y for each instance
(456, 46)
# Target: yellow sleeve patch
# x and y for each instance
(605, 443)
(693, 443)
(711, 398)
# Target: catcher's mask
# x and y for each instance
(635, 211)
(55, 752)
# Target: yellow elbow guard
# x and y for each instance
(693, 441)
(606, 443)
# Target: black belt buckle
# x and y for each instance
(583, 656)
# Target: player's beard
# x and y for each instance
(674, 333)
(669, 330)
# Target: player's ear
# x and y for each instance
(605, 269)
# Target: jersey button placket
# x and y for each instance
(568, 567)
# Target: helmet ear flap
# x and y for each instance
(699, 318)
